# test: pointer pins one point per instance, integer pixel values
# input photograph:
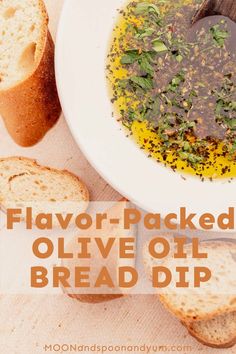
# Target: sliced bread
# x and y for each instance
(148, 261)
(218, 332)
(219, 328)
(215, 297)
(29, 102)
(96, 262)
(25, 183)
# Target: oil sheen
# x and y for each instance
(219, 159)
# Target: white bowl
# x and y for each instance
(82, 44)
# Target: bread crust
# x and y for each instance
(197, 317)
(188, 318)
(226, 345)
(34, 163)
(31, 107)
(94, 299)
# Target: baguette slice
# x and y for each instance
(193, 305)
(29, 102)
(148, 261)
(203, 305)
(218, 332)
(24, 183)
(215, 297)
(95, 263)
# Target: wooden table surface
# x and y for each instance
(28, 323)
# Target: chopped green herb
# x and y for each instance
(130, 57)
(219, 35)
(176, 81)
(232, 149)
(192, 158)
(179, 58)
(143, 82)
(143, 33)
(231, 123)
(144, 59)
(145, 65)
(145, 7)
(159, 46)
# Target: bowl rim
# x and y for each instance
(193, 193)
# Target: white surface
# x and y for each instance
(83, 37)
(27, 323)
